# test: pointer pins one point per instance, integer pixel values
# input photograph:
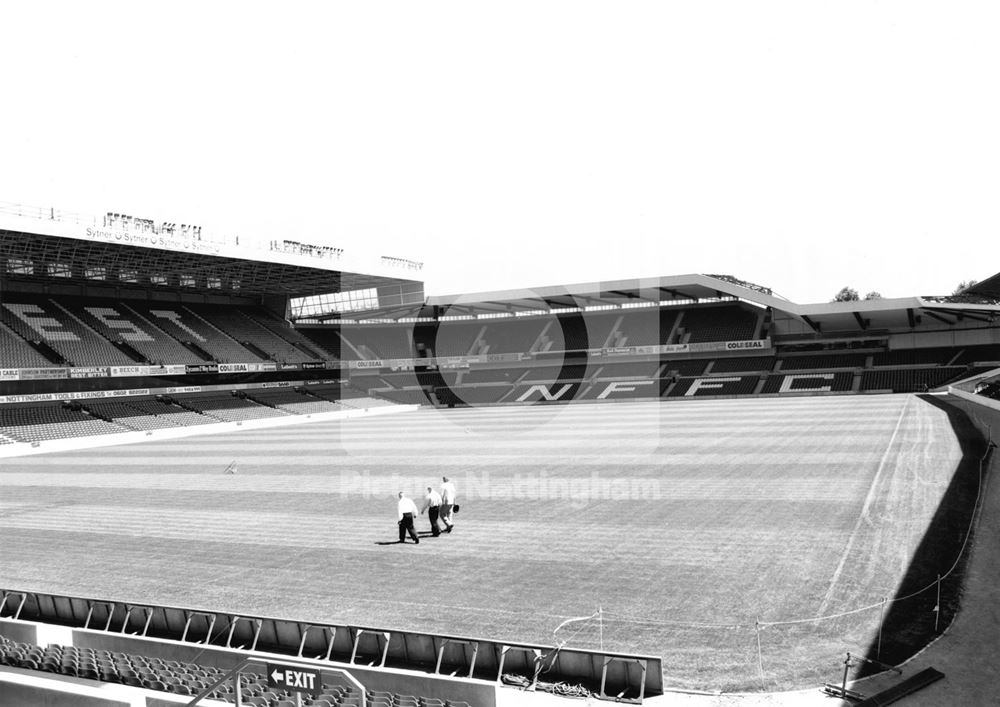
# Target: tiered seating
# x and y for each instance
(646, 327)
(377, 698)
(364, 401)
(38, 319)
(938, 356)
(456, 338)
(184, 325)
(408, 396)
(476, 394)
(743, 385)
(166, 675)
(840, 381)
(15, 352)
(685, 367)
(37, 423)
(128, 416)
(743, 363)
(497, 375)
(236, 324)
(117, 323)
(975, 354)
(909, 380)
(599, 327)
(229, 408)
(823, 361)
(294, 402)
(574, 333)
(328, 339)
(380, 341)
(515, 335)
(630, 369)
(280, 327)
(718, 323)
(174, 414)
(545, 374)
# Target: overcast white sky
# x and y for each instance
(802, 145)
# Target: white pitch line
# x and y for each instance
(863, 516)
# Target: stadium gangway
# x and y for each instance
(629, 677)
(260, 667)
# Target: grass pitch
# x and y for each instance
(685, 522)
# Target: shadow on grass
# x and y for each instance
(912, 620)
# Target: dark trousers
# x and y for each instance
(432, 515)
(406, 526)
(446, 514)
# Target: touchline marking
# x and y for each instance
(863, 516)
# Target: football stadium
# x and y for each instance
(668, 489)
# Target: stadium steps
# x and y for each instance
(897, 692)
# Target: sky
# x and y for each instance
(804, 146)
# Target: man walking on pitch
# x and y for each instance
(432, 504)
(447, 503)
(406, 509)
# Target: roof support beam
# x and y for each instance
(862, 322)
(939, 317)
(910, 317)
(816, 327)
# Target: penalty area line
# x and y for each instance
(863, 515)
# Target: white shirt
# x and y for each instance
(433, 498)
(448, 492)
(406, 505)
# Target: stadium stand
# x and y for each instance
(284, 330)
(297, 402)
(718, 323)
(838, 381)
(37, 423)
(41, 319)
(328, 338)
(403, 396)
(822, 361)
(600, 328)
(196, 333)
(685, 367)
(938, 356)
(473, 395)
(645, 327)
(512, 335)
(170, 676)
(490, 375)
(909, 380)
(630, 369)
(125, 328)
(235, 323)
(228, 408)
(458, 338)
(15, 352)
(743, 364)
(978, 354)
(377, 341)
(575, 336)
(544, 374)
(721, 385)
(168, 409)
(128, 416)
